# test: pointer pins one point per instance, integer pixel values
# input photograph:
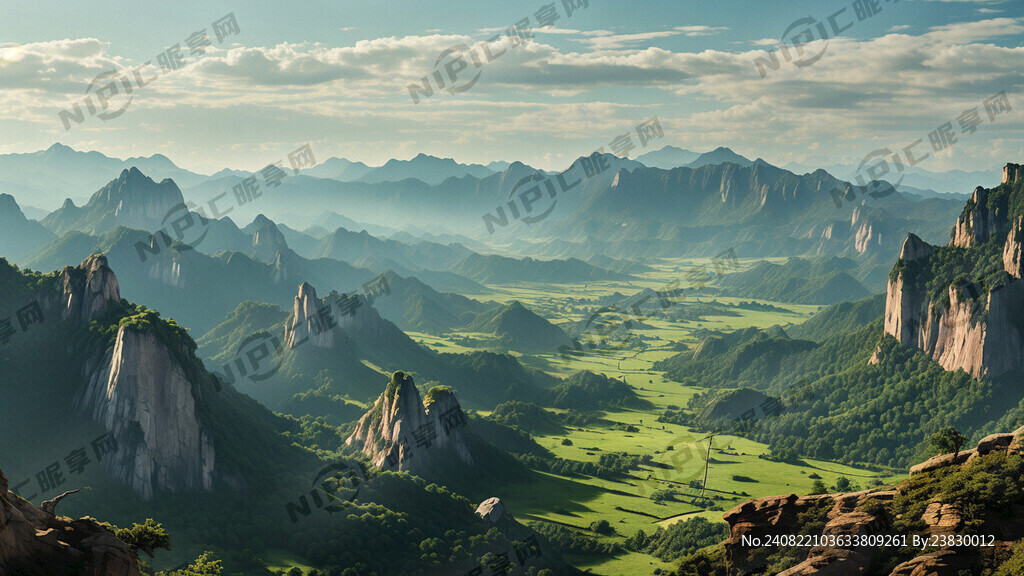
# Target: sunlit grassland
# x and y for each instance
(737, 469)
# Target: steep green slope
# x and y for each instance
(517, 328)
(270, 492)
(798, 281)
(842, 317)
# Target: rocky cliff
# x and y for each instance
(37, 541)
(403, 432)
(311, 322)
(926, 505)
(963, 304)
(85, 292)
(141, 393)
(140, 387)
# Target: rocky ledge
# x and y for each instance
(37, 541)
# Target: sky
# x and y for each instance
(336, 75)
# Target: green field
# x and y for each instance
(736, 471)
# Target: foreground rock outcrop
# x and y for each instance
(873, 513)
(36, 541)
(975, 321)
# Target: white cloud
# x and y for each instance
(889, 87)
(701, 30)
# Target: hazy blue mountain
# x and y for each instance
(416, 306)
(622, 266)
(914, 178)
(364, 249)
(720, 155)
(267, 240)
(668, 157)
(498, 165)
(132, 200)
(59, 172)
(19, 236)
(339, 169)
(429, 169)
(760, 210)
(197, 289)
(500, 269)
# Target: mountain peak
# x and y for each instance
(9, 205)
(133, 172)
(57, 147)
(401, 384)
(403, 432)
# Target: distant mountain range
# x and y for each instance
(19, 235)
(602, 205)
(59, 172)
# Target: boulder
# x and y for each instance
(942, 519)
(940, 563)
(994, 442)
(491, 510)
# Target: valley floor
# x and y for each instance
(736, 473)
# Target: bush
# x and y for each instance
(680, 539)
(819, 487)
(843, 484)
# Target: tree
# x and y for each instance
(948, 440)
(843, 484)
(147, 537)
(818, 487)
(204, 565)
(602, 527)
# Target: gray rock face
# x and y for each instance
(871, 234)
(975, 226)
(491, 509)
(914, 249)
(985, 345)
(84, 292)
(309, 325)
(400, 432)
(1012, 249)
(1012, 173)
(978, 331)
(140, 393)
(137, 390)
